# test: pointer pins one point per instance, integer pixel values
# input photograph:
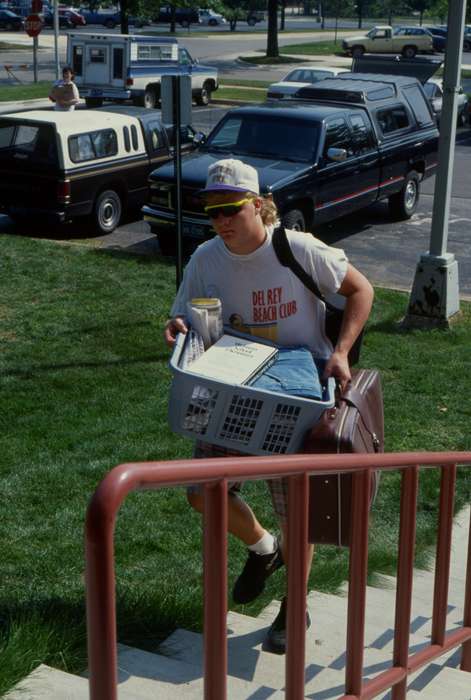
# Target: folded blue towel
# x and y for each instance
(294, 372)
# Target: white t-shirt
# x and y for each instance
(261, 297)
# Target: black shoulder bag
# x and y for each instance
(333, 314)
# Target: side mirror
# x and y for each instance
(337, 154)
(199, 139)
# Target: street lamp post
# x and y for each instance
(435, 292)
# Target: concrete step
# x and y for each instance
(155, 676)
(46, 683)
(438, 683)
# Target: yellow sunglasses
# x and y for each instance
(229, 209)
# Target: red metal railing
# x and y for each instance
(215, 473)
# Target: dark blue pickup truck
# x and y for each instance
(348, 142)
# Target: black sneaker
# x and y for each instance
(276, 635)
(257, 569)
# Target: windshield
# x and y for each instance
(266, 137)
(301, 75)
(27, 142)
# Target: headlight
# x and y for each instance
(160, 194)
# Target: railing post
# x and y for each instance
(101, 600)
(442, 567)
(466, 655)
(357, 582)
(405, 575)
(298, 498)
(215, 590)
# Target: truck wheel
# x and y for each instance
(467, 45)
(93, 102)
(167, 243)
(251, 21)
(213, 22)
(149, 99)
(204, 97)
(462, 118)
(110, 24)
(404, 203)
(357, 51)
(409, 51)
(184, 23)
(294, 220)
(107, 211)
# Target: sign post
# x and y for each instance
(175, 99)
(33, 26)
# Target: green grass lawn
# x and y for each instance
(28, 91)
(84, 385)
(317, 48)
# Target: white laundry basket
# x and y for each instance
(242, 418)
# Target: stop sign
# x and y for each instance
(33, 25)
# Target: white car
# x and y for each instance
(434, 91)
(211, 18)
(300, 77)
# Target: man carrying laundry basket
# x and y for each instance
(261, 297)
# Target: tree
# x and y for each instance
(420, 6)
(272, 32)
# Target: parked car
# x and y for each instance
(10, 21)
(68, 17)
(442, 32)
(255, 16)
(383, 39)
(438, 38)
(211, 18)
(111, 19)
(58, 166)
(434, 91)
(184, 16)
(352, 141)
(130, 67)
(298, 78)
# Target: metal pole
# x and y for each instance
(435, 293)
(35, 58)
(56, 39)
(178, 176)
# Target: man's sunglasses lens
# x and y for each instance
(229, 210)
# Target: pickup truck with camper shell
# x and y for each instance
(348, 142)
(58, 166)
(408, 41)
(120, 67)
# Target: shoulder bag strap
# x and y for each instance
(286, 258)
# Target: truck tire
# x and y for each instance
(204, 96)
(251, 21)
(167, 243)
(357, 51)
(185, 23)
(467, 45)
(212, 23)
(107, 211)
(294, 219)
(404, 203)
(149, 98)
(110, 23)
(409, 51)
(93, 102)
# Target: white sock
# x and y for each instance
(265, 545)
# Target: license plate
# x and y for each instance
(94, 92)
(193, 230)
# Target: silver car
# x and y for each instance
(434, 91)
(300, 77)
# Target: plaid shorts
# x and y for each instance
(278, 487)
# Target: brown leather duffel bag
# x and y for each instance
(354, 424)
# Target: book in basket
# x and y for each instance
(234, 360)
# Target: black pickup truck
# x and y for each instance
(348, 142)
